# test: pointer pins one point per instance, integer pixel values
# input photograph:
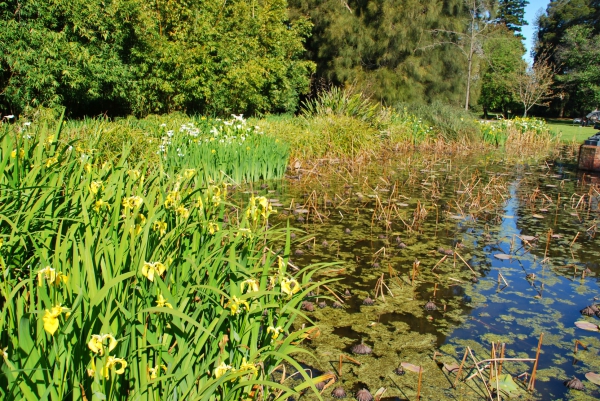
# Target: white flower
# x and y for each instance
(9, 117)
(27, 124)
(163, 125)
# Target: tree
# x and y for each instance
(469, 42)
(503, 59)
(579, 54)
(374, 47)
(123, 56)
(512, 14)
(534, 85)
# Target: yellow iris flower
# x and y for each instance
(251, 283)
(161, 227)
(289, 286)
(189, 173)
(248, 366)
(150, 268)
(132, 202)
(153, 372)
(99, 204)
(50, 161)
(235, 305)
(275, 330)
(51, 318)
(162, 302)
(52, 276)
(96, 343)
(96, 186)
(212, 227)
(172, 200)
(182, 212)
(221, 369)
(134, 174)
(111, 364)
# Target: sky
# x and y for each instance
(531, 12)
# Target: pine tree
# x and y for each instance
(512, 14)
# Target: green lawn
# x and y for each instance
(570, 132)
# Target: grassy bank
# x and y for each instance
(570, 132)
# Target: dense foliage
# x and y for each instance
(568, 36)
(147, 57)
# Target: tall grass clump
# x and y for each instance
(341, 102)
(337, 125)
(121, 282)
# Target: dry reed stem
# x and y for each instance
(465, 262)
(419, 384)
(577, 342)
(333, 293)
(479, 373)
(537, 356)
(574, 239)
(439, 262)
(342, 357)
(460, 369)
(500, 276)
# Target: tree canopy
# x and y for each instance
(124, 56)
(568, 37)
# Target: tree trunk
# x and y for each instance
(485, 113)
(469, 80)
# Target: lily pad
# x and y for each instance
(587, 325)
(411, 367)
(593, 377)
(507, 386)
(502, 256)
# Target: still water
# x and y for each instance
(502, 251)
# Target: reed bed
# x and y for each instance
(122, 282)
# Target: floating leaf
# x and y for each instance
(593, 377)
(411, 367)
(586, 325)
(402, 204)
(457, 217)
(537, 216)
(502, 256)
(507, 386)
(379, 393)
(528, 238)
(451, 367)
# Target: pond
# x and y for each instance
(455, 254)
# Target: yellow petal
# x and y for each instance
(50, 322)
